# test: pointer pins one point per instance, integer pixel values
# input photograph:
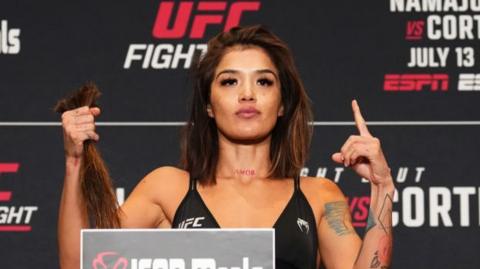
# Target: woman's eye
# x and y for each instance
(265, 82)
(228, 82)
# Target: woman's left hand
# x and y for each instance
(363, 153)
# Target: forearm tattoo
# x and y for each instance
(375, 262)
(382, 257)
(370, 221)
(385, 215)
(338, 217)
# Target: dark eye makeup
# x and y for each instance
(228, 81)
(265, 82)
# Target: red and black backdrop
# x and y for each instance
(412, 65)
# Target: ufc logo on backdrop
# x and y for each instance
(13, 218)
(171, 25)
(415, 82)
(6, 196)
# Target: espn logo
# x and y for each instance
(469, 82)
(218, 12)
(415, 82)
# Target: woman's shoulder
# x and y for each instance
(168, 176)
(324, 188)
(166, 181)
(155, 198)
(164, 173)
(319, 191)
(165, 186)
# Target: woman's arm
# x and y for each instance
(142, 209)
(339, 244)
(78, 126)
(72, 216)
(376, 248)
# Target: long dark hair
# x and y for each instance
(292, 133)
(96, 185)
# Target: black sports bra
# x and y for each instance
(296, 242)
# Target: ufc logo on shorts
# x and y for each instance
(415, 82)
(206, 13)
(469, 82)
(191, 222)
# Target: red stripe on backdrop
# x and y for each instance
(5, 196)
(9, 167)
(15, 228)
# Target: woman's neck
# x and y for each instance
(243, 162)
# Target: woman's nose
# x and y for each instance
(247, 93)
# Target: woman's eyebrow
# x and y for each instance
(227, 71)
(262, 71)
(258, 71)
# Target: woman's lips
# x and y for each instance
(247, 113)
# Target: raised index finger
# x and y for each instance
(359, 121)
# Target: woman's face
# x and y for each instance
(245, 98)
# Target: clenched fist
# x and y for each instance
(78, 126)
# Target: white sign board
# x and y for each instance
(178, 249)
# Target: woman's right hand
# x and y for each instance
(78, 125)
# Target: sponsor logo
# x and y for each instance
(469, 82)
(111, 260)
(184, 21)
(228, 15)
(303, 225)
(416, 82)
(191, 222)
(103, 259)
(9, 39)
(13, 218)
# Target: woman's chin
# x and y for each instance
(248, 138)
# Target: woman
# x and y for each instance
(243, 148)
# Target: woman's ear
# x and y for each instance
(280, 111)
(210, 111)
